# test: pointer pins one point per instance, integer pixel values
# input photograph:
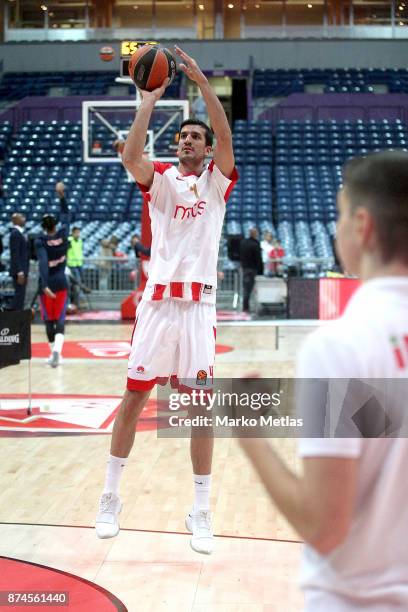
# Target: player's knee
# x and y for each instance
(133, 404)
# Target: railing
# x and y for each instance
(111, 279)
(95, 34)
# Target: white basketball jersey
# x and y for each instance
(186, 213)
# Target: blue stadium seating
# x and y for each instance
(289, 176)
(279, 83)
(17, 85)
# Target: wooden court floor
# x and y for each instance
(51, 485)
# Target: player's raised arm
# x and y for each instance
(141, 169)
(223, 154)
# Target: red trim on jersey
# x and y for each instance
(176, 290)
(196, 289)
(158, 292)
(233, 178)
(140, 385)
(215, 332)
(143, 188)
(159, 167)
(189, 174)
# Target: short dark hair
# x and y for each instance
(379, 182)
(75, 228)
(48, 222)
(209, 134)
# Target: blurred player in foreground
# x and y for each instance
(51, 248)
(351, 503)
(176, 319)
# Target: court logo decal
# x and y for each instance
(62, 414)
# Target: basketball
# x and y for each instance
(150, 65)
(107, 54)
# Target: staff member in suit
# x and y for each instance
(19, 260)
(251, 264)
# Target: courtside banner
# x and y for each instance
(15, 337)
(283, 408)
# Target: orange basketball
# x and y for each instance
(150, 65)
(107, 54)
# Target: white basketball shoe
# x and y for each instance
(54, 360)
(199, 524)
(107, 522)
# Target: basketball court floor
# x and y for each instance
(53, 466)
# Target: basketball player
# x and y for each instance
(51, 248)
(176, 319)
(351, 503)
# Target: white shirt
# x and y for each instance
(371, 566)
(187, 213)
(266, 250)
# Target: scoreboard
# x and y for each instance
(127, 48)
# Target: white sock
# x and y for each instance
(113, 473)
(51, 347)
(58, 343)
(202, 488)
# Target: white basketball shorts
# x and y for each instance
(172, 338)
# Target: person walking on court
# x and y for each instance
(19, 260)
(251, 264)
(176, 319)
(351, 503)
(51, 248)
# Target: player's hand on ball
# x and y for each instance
(190, 67)
(49, 293)
(156, 94)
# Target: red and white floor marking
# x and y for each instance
(61, 414)
(82, 595)
(97, 349)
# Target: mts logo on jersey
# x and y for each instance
(185, 212)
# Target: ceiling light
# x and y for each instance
(201, 7)
(310, 5)
(44, 8)
(401, 8)
(230, 5)
(257, 5)
(401, 23)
